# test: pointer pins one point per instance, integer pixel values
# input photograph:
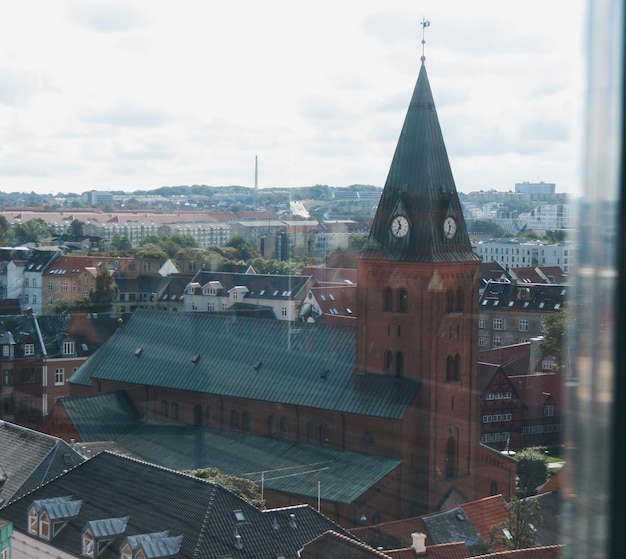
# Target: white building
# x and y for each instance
(513, 253)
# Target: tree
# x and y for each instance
(5, 230)
(554, 338)
(101, 298)
(119, 243)
(519, 530)
(244, 250)
(76, 228)
(532, 469)
(31, 231)
(242, 487)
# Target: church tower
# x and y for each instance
(417, 299)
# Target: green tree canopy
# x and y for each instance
(519, 530)
(31, 231)
(101, 298)
(554, 338)
(532, 469)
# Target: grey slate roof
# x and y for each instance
(523, 296)
(452, 525)
(270, 360)
(156, 499)
(53, 329)
(343, 475)
(29, 459)
(420, 186)
(260, 286)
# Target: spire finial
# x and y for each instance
(424, 23)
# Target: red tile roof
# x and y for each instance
(455, 550)
(485, 513)
(547, 552)
(331, 545)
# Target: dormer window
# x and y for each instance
(33, 521)
(88, 544)
(69, 348)
(29, 349)
(44, 526)
(99, 534)
(47, 517)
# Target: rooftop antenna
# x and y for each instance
(424, 25)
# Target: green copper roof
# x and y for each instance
(420, 186)
(276, 361)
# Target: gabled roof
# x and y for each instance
(547, 552)
(526, 274)
(155, 499)
(337, 303)
(466, 523)
(91, 330)
(455, 550)
(259, 366)
(71, 266)
(452, 525)
(421, 187)
(321, 274)
(46, 332)
(485, 513)
(100, 416)
(29, 459)
(331, 545)
(490, 270)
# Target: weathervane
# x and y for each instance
(424, 25)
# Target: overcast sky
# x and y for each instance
(130, 95)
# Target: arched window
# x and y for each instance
(271, 427)
(460, 299)
(197, 415)
(457, 367)
(284, 428)
(234, 420)
(209, 417)
(399, 364)
(450, 457)
(165, 409)
(324, 434)
(402, 300)
(449, 301)
(449, 368)
(388, 299)
(174, 410)
(245, 422)
(388, 361)
(311, 433)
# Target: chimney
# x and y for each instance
(419, 542)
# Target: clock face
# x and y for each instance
(449, 227)
(400, 226)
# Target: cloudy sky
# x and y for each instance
(134, 94)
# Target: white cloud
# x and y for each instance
(131, 94)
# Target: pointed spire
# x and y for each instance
(420, 187)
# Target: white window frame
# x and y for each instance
(499, 324)
(523, 325)
(29, 349)
(59, 373)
